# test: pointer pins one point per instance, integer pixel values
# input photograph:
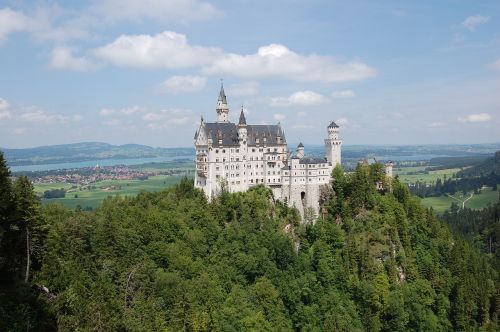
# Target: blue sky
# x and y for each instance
(126, 71)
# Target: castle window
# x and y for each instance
(223, 151)
(237, 150)
(216, 150)
(237, 159)
(216, 160)
(217, 168)
(253, 150)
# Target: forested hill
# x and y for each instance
(488, 167)
(172, 261)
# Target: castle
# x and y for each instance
(238, 156)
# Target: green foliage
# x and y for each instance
(378, 261)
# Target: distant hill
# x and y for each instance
(87, 151)
(489, 166)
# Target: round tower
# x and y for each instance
(300, 150)
(333, 144)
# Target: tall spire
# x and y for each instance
(242, 121)
(222, 109)
(222, 95)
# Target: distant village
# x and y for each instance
(89, 175)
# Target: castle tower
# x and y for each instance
(242, 128)
(388, 169)
(222, 109)
(333, 144)
(300, 150)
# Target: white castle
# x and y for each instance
(239, 156)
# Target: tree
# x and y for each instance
(29, 220)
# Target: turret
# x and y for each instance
(388, 169)
(222, 109)
(333, 144)
(242, 128)
(300, 150)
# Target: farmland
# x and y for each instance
(479, 201)
(93, 195)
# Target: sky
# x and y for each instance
(130, 71)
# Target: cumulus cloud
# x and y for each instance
(299, 98)
(472, 22)
(279, 117)
(164, 50)
(342, 121)
(243, 89)
(176, 84)
(480, 117)
(12, 21)
(161, 10)
(126, 111)
(4, 114)
(62, 58)
(343, 94)
(167, 118)
(40, 24)
(495, 65)
(37, 115)
(4, 105)
(277, 61)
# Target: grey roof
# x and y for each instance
(222, 95)
(242, 121)
(300, 145)
(312, 160)
(333, 125)
(228, 132)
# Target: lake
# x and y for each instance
(92, 163)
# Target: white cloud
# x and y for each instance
(278, 61)
(40, 23)
(167, 49)
(342, 121)
(12, 21)
(18, 131)
(301, 114)
(62, 58)
(106, 112)
(176, 84)
(495, 65)
(4, 114)
(279, 117)
(126, 110)
(167, 118)
(34, 114)
(243, 89)
(302, 98)
(343, 94)
(474, 21)
(303, 126)
(3, 104)
(161, 10)
(132, 110)
(480, 117)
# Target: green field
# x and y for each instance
(440, 204)
(92, 198)
(432, 176)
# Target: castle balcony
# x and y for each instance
(202, 165)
